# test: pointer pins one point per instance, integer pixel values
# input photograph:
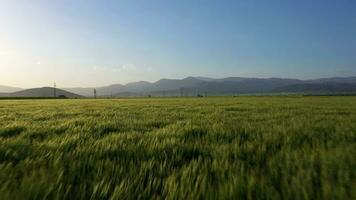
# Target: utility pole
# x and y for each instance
(181, 91)
(94, 93)
(54, 90)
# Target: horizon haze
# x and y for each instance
(197, 86)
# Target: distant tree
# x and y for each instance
(94, 93)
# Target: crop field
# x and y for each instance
(179, 148)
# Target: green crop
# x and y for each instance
(179, 148)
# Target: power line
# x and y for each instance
(181, 90)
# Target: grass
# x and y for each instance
(179, 148)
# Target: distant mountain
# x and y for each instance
(81, 91)
(111, 90)
(101, 91)
(40, 92)
(223, 86)
(139, 87)
(172, 84)
(350, 80)
(202, 78)
(248, 85)
(8, 89)
(328, 87)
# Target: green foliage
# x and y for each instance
(179, 148)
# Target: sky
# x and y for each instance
(96, 43)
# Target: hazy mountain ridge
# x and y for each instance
(329, 87)
(192, 86)
(223, 86)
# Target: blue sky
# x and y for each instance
(91, 43)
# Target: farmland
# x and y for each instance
(179, 148)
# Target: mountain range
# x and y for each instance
(192, 86)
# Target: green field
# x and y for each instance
(179, 148)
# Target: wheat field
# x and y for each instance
(179, 148)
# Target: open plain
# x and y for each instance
(175, 148)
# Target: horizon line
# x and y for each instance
(197, 77)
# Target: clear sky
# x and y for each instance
(94, 43)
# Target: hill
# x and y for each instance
(40, 92)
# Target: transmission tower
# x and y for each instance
(54, 90)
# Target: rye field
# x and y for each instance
(179, 148)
